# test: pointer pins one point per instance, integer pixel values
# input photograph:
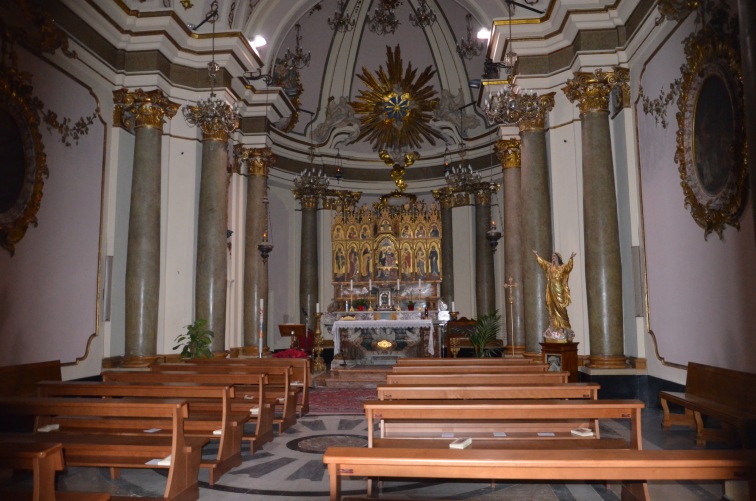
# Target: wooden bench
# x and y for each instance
(44, 459)
(98, 440)
(464, 369)
(498, 419)
(220, 424)
(282, 393)
(719, 393)
(475, 378)
(19, 380)
(634, 468)
(301, 376)
(473, 392)
(258, 405)
(447, 362)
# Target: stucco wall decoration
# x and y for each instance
(711, 146)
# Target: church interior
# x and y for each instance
(371, 183)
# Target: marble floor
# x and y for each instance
(291, 468)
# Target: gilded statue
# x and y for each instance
(557, 297)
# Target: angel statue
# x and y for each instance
(557, 297)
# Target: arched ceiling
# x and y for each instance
(547, 44)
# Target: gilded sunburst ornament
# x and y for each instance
(396, 109)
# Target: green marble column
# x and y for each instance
(258, 162)
(308, 262)
(508, 151)
(144, 112)
(603, 267)
(211, 279)
(535, 202)
(445, 198)
(485, 295)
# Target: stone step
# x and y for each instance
(354, 377)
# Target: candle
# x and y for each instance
(317, 307)
(262, 327)
(308, 307)
(351, 284)
(453, 306)
(370, 285)
(419, 284)
(397, 284)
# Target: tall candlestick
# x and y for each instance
(308, 308)
(397, 284)
(262, 327)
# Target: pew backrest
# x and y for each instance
(502, 391)
(476, 378)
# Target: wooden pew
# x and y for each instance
(492, 392)
(199, 423)
(283, 394)
(464, 369)
(19, 380)
(634, 468)
(44, 459)
(301, 376)
(251, 385)
(98, 440)
(411, 361)
(518, 419)
(719, 393)
(476, 378)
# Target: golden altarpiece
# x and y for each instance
(386, 257)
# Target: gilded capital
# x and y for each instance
(536, 109)
(508, 152)
(309, 201)
(677, 9)
(592, 91)
(445, 197)
(483, 197)
(142, 109)
(257, 160)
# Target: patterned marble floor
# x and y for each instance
(291, 468)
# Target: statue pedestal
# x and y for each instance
(561, 357)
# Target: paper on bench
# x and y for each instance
(546, 434)
(447, 435)
(499, 434)
(152, 430)
(217, 432)
(297, 383)
(582, 432)
(461, 443)
(254, 411)
(48, 428)
(249, 397)
(166, 461)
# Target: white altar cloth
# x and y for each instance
(374, 324)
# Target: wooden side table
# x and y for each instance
(561, 357)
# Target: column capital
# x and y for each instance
(508, 152)
(216, 118)
(445, 197)
(535, 110)
(309, 201)
(258, 160)
(591, 91)
(141, 108)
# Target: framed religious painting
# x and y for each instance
(23, 166)
(711, 134)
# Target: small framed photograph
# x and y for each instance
(555, 362)
(385, 299)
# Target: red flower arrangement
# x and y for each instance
(290, 353)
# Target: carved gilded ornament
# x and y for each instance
(483, 196)
(677, 9)
(592, 90)
(24, 165)
(395, 109)
(711, 144)
(535, 110)
(257, 160)
(445, 197)
(142, 109)
(309, 201)
(509, 153)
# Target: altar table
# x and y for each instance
(379, 324)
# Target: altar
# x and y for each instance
(382, 341)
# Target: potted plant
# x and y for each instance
(361, 304)
(195, 342)
(410, 305)
(484, 333)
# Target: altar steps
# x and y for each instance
(353, 377)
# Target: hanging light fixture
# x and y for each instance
(447, 166)
(423, 16)
(213, 115)
(340, 21)
(297, 59)
(265, 247)
(510, 57)
(384, 21)
(470, 47)
(339, 174)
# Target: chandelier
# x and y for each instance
(340, 21)
(470, 47)
(298, 59)
(311, 182)
(509, 105)
(384, 20)
(462, 179)
(423, 16)
(214, 116)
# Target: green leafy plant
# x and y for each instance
(360, 302)
(195, 342)
(484, 333)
